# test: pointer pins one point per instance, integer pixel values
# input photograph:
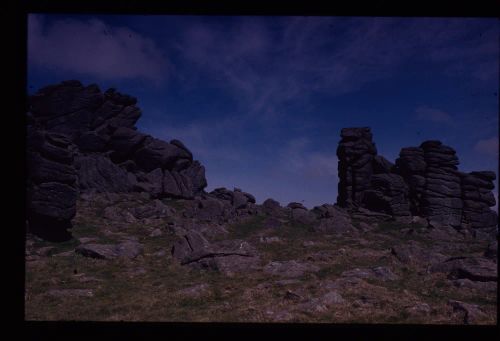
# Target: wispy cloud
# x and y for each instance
(91, 47)
(299, 158)
(488, 146)
(431, 114)
(207, 139)
(267, 64)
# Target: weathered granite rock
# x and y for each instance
(80, 138)
(388, 193)
(381, 165)
(302, 216)
(472, 268)
(477, 200)
(237, 198)
(492, 251)
(412, 253)
(471, 312)
(381, 273)
(356, 152)
(271, 207)
(99, 173)
(424, 182)
(51, 182)
(442, 185)
(228, 256)
(289, 269)
(127, 249)
(333, 219)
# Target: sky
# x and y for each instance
(261, 100)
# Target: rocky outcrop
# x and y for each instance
(52, 184)
(441, 202)
(228, 257)
(477, 199)
(424, 181)
(112, 156)
(356, 153)
(127, 249)
(237, 198)
(81, 139)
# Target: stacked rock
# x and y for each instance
(477, 200)
(80, 139)
(388, 194)
(411, 165)
(442, 197)
(112, 155)
(356, 153)
(52, 187)
(300, 213)
(238, 198)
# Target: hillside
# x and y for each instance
(120, 227)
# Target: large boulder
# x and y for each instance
(271, 207)
(83, 139)
(227, 257)
(477, 200)
(51, 184)
(356, 153)
(332, 219)
(388, 194)
(127, 249)
(97, 172)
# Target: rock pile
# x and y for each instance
(423, 182)
(227, 256)
(83, 140)
(441, 202)
(356, 153)
(51, 183)
(477, 199)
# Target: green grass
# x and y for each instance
(178, 205)
(154, 296)
(246, 228)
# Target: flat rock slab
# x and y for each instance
(323, 303)
(472, 268)
(413, 253)
(289, 268)
(269, 240)
(471, 312)
(381, 273)
(85, 240)
(70, 293)
(128, 249)
(479, 286)
(196, 291)
(228, 256)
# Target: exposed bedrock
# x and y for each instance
(424, 181)
(355, 152)
(52, 186)
(100, 150)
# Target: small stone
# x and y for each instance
(156, 233)
(472, 312)
(45, 251)
(268, 240)
(71, 293)
(85, 240)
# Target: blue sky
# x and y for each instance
(261, 100)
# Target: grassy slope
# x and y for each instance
(149, 287)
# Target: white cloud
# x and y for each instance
(432, 114)
(94, 48)
(488, 146)
(296, 157)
